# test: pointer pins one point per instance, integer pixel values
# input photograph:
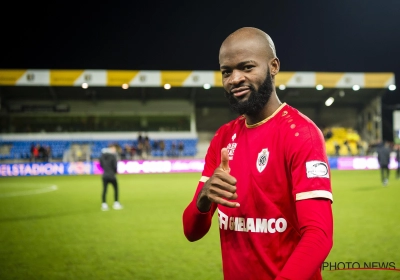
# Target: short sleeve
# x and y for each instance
(310, 171)
(211, 159)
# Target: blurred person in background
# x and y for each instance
(337, 148)
(42, 152)
(108, 161)
(119, 150)
(161, 145)
(140, 150)
(146, 147)
(173, 150)
(127, 152)
(347, 145)
(140, 138)
(383, 152)
(181, 148)
(34, 152)
(47, 153)
(328, 134)
(397, 149)
(266, 174)
(155, 146)
(360, 148)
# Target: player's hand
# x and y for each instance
(220, 188)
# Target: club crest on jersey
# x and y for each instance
(262, 160)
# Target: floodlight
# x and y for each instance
(329, 101)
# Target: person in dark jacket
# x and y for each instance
(383, 151)
(108, 161)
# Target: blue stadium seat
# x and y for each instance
(21, 149)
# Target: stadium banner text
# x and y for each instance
(361, 163)
(46, 169)
(158, 166)
(87, 168)
(154, 166)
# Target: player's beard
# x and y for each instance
(256, 101)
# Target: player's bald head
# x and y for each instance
(250, 37)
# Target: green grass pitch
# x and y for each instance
(62, 234)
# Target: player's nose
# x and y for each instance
(236, 78)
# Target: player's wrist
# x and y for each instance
(203, 203)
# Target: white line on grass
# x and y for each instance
(31, 192)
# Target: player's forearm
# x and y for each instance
(307, 257)
(195, 223)
(315, 220)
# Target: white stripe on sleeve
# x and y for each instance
(204, 179)
(314, 194)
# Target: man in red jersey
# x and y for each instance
(266, 173)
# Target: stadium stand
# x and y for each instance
(347, 140)
(54, 108)
(83, 150)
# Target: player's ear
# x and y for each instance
(274, 65)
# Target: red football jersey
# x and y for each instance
(276, 162)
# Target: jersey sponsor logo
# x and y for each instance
(231, 150)
(256, 225)
(231, 147)
(262, 160)
(317, 168)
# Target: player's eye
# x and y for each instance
(225, 73)
(248, 67)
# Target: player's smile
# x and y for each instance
(240, 92)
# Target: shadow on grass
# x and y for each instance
(46, 216)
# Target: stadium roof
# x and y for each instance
(305, 89)
(141, 78)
